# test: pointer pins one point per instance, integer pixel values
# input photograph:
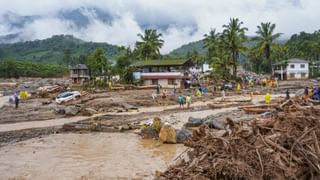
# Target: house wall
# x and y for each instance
(163, 83)
(297, 70)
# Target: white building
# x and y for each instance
(292, 69)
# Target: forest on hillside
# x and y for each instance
(59, 49)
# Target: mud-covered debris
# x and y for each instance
(285, 146)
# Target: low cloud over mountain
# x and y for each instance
(119, 21)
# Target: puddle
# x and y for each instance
(86, 156)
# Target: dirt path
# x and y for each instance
(3, 100)
(60, 122)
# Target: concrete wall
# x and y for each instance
(297, 70)
(163, 83)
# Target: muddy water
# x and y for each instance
(86, 156)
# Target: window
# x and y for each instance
(292, 66)
(302, 65)
(171, 81)
(292, 75)
(303, 75)
(154, 81)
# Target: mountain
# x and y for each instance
(198, 46)
(193, 46)
(53, 50)
(79, 18)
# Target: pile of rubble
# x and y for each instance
(285, 146)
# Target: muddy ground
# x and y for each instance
(111, 110)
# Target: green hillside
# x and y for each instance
(198, 46)
(54, 49)
(193, 46)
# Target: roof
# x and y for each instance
(79, 66)
(164, 62)
(296, 60)
(293, 60)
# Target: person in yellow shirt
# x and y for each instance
(267, 98)
(199, 94)
(110, 84)
(188, 101)
(238, 87)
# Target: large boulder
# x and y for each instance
(168, 134)
(149, 133)
(72, 110)
(89, 112)
(183, 135)
(212, 123)
(194, 122)
(156, 124)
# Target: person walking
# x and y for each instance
(287, 94)
(223, 95)
(188, 101)
(267, 98)
(180, 101)
(158, 88)
(16, 99)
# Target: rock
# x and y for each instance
(60, 111)
(156, 124)
(149, 133)
(89, 112)
(124, 128)
(72, 110)
(183, 135)
(194, 122)
(212, 123)
(168, 134)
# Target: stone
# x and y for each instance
(212, 123)
(72, 110)
(89, 112)
(156, 124)
(194, 122)
(183, 135)
(168, 134)
(149, 133)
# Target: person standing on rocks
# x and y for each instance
(16, 99)
(180, 101)
(188, 101)
(158, 88)
(223, 94)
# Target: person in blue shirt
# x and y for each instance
(180, 100)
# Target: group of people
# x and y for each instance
(184, 100)
(312, 92)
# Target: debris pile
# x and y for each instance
(285, 146)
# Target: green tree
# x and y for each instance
(233, 38)
(211, 43)
(195, 57)
(98, 64)
(150, 44)
(124, 60)
(265, 39)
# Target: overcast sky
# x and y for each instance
(185, 20)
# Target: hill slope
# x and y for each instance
(52, 50)
(198, 46)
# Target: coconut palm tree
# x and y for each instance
(265, 39)
(233, 38)
(150, 44)
(210, 42)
